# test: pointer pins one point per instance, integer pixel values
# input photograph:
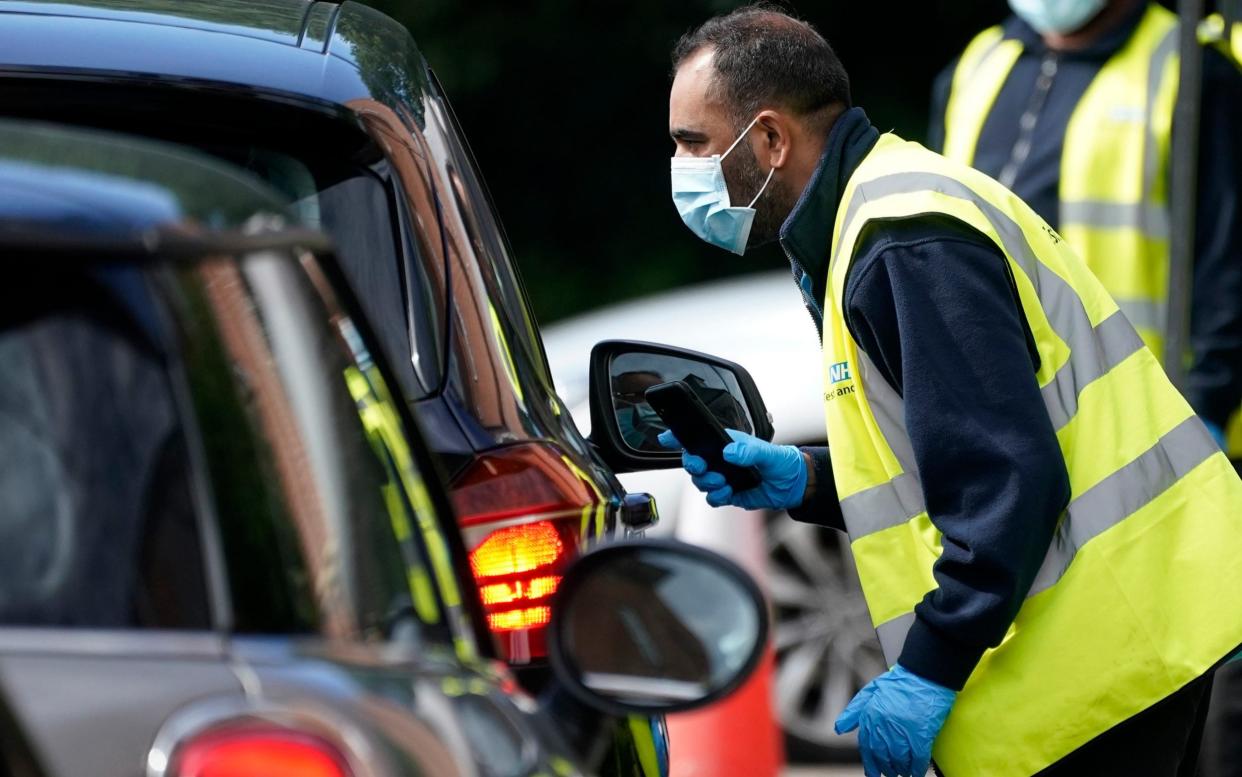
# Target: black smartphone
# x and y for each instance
(699, 431)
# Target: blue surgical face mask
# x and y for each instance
(702, 199)
(1057, 16)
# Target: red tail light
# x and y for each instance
(258, 753)
(522, 510)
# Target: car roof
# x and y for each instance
(327, 52)
(60, 185)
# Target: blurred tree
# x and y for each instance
(565, 104)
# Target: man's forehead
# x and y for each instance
(692, 101)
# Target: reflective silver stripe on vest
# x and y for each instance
(900, 499)
(1144, 313)
(892, 636)
(1124, 492)
(884, 506)
(1151, 220)
(1116, 341)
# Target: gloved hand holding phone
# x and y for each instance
(783, 469)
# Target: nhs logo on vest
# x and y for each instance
(839, 373)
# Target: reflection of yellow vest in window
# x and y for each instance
(1141, 590)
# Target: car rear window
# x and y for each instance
(97, 524)
(354, 205)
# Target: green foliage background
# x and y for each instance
(565, 103)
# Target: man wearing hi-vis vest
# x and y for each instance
(1069, 103)
(1046, 534)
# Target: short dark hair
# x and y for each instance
(765, 57)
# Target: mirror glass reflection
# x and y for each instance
(631, 374)
(658, 627)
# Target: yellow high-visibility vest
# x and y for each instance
(1114, 174)
(1114, 165)
(1141, 590)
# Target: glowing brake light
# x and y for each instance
(258, 753)
(523, 509)
(517, 549)
(512, 568)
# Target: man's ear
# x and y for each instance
(775, 142)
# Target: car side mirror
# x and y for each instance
(624, 427)
(655, 626)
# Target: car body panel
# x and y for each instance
(107, 693)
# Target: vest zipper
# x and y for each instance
(802, 279)
(1026, 132)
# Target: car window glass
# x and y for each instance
(354, 206)
(321, 512)
(418, 215)
(97, 524)
(487, 237)
(490, 364)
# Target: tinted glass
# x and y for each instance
(97, 524)
(323, 517)
(496, 364)
(355, 206)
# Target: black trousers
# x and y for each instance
(1161, 741)
(1222, 741)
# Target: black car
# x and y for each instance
(225, 551)
(333, 105)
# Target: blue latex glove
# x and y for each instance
(782, 468)
(898, 716)
(1218, 434)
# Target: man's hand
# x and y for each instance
(898, 716)
(783, 470)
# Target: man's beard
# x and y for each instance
(745, 179)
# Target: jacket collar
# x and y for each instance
(1100, 49)
(806, 234)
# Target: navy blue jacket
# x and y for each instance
(1214, 384)
(930, 301)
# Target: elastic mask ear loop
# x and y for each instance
(739, 138)
(762, 188)
(771, 172)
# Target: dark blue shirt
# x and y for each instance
(1214, 384)
(931, 302)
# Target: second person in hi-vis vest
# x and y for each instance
(1046, 534)
(1069, 103)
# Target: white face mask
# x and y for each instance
(702, 198)
(1057, 16)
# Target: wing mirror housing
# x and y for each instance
(624, 427)
(650, 627)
